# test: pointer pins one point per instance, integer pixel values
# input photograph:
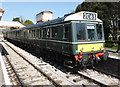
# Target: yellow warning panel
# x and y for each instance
(90, 47)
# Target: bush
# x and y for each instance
(115, 46)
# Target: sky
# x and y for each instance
(28, 10)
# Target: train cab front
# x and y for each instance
(90, 43)
(86, 58)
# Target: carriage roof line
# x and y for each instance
(72, 17)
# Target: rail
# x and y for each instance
(116, 76)
(94, 74)
(40, 70)
(6, 56)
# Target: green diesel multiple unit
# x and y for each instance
(78, 37)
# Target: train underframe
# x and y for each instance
(90, 59)
(75, 61)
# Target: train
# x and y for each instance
(77, 39)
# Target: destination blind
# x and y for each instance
(89, 16)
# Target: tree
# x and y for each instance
(16, 19)
(19, 19)
(28, 22)
(107, 12)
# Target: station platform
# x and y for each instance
(4, 77)
(2, 82)
(111, 50)
(113, 54)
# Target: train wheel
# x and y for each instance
(85, 60)
(52, 56)
(90, 64)
(59, 58)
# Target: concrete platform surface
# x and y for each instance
(4, 77)
(2, 82)
(113, 54)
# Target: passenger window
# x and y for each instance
(30, 33)
(34, 33)
(44, 32)
(24, 34)
(21, 34)
(48, 32)
(54, 32)
(39, 33)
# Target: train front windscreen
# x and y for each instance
(89, 32)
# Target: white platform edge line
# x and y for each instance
(5, 74)
(113, 57)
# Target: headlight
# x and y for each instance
(81, 49)
(100, 47)
(92, 48)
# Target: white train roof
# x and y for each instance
(83, 15)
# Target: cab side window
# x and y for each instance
(66, 30)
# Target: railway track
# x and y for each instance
(93, 76)
(99, 77)
(107, 73)
(58, 76)
(29, 73)
(13, 75)
(26, 74)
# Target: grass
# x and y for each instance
(114, 47)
